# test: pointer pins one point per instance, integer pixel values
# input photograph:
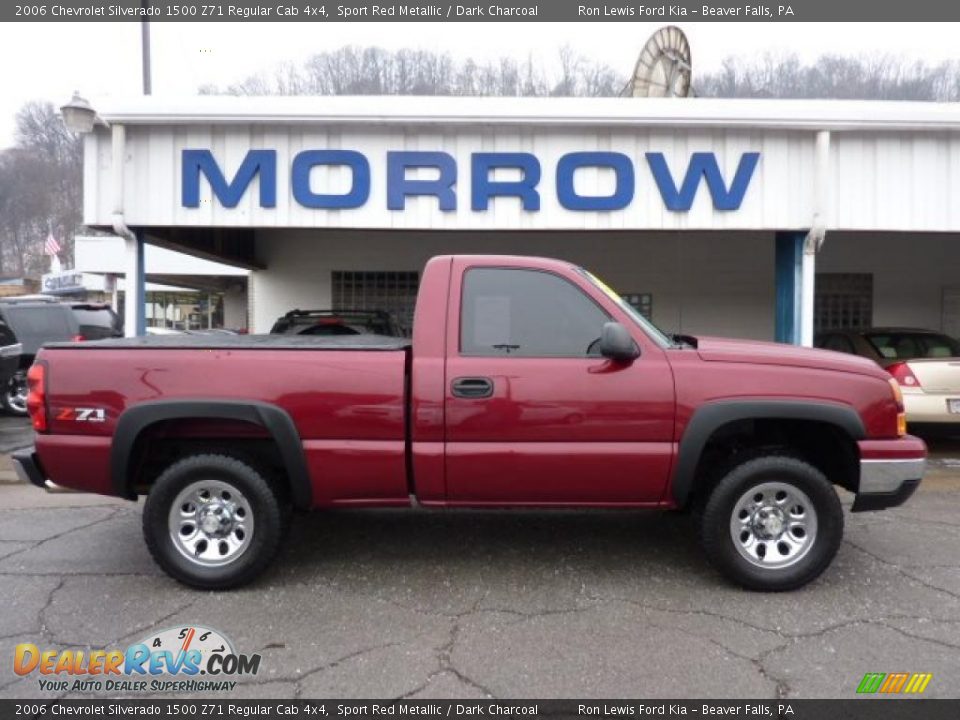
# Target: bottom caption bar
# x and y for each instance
(925, 709)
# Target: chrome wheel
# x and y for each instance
(210, 523)
(16, 398)
(773, 525)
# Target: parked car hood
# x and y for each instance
(770, 353)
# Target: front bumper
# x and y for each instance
(27, 467)
(888, 479)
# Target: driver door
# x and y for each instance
(533, 414)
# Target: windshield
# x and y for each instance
(652, 330)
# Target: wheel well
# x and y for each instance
(166, 441)
(827, 447)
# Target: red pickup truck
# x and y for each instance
(528, 383)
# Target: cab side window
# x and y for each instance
(526, 313)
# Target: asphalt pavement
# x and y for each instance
(518, 604)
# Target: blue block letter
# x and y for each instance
(195, 162)
(703, 164)
(305, 161)
(621, 165)
(399, 187)
(483, 188)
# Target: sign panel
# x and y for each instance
(199, 165)
(466, 177)
(71, 281)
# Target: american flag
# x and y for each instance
(51, 246)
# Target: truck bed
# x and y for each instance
(221, 341)
(348, 408)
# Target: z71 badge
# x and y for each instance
(94, 415)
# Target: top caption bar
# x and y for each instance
(500, 11)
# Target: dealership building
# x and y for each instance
(765, 219)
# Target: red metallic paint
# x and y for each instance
(351, 471)
(905, 448)
(557, 431)
(76, 461)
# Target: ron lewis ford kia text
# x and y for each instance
(528, 383)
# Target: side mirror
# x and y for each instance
(616, 343)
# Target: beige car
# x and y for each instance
(924, 362)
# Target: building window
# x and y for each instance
(641, 302)
(843, 301)
(394, 292)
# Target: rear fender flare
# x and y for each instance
(709, 418)
(275, 420)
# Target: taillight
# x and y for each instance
(898, 399)
(37, 396)
(903, 375)
(78, 338)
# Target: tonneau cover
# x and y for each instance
(222, 341)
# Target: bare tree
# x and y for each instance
(872, 77)
(40, 189)
(354, 70)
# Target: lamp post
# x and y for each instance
(78, 115)
(145, 50)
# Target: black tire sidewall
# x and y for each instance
(269, 520)
(715, 523)
(11, 389)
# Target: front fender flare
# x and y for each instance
(134, 420)
(710, 417)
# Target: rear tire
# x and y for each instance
(214, 521)
(772, 523)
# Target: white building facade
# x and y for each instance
(761, 218)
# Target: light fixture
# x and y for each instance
(78, 115)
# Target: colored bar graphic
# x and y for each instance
(894, 683)
(871, 682)
(918, 683)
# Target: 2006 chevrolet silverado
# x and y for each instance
(527, 383)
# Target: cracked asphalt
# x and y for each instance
(464, 604)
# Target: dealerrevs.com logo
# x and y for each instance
(180, 659)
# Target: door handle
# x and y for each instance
(472, 387)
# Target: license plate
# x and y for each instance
(953, 406)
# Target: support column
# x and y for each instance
(141, 286)
(808, 275)
(788, 273)
(134, 287)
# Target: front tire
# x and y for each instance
(772, 523)
(213, 521)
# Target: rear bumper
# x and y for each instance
(890, 472)
(27, 467)
(922, 407)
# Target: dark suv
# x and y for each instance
(35, 321)
(10, 351)
(95, 321)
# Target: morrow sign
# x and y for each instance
(678, 190)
